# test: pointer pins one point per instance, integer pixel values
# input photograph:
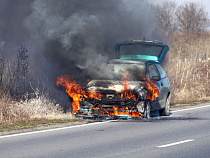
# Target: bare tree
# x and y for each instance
(2, 62)
(21, 74)
(192, 17)
(165, 17)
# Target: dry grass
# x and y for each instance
(10, 112)
(188, 68)
(33, 106)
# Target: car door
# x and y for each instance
(164, 83)
(158, 102)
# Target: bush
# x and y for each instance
(33, 106)
(188, 67)
(9, 111)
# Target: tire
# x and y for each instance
(165, 111)
(147, 110)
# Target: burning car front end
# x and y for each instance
(114, 99)
(123, 93)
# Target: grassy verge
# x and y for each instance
(38, 124)
(193, 103)
(180, 106)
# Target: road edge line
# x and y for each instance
(191, 108)
(176, 143)
(54, 129)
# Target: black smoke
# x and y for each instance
(75, 37)
(80, 35)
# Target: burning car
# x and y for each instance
(134, 84)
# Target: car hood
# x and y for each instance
(113, 86)
(142, 50)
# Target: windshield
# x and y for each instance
(140, 51)
(134, 72)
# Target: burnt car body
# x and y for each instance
(141, 62)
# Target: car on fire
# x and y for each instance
(134, 85)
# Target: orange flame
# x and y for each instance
(93, 95)
(153, 90)
(74, 90)
(127, 93)
(132, 114)
(77, 93)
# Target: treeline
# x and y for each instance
(189, 17)
(185, 29)
(25, 93)
(14, 72)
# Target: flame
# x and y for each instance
(153, 90)
(77, 93)
(132, 114)
(120, 111)
(74, 90)
(93, 95)
(127, 93)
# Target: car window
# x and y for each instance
(161, 71)
(141, 49)
(153, 71)
(117, 70)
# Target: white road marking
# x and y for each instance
(176, 143)
(191, 108)
(50, 130)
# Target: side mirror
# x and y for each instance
(156, 78)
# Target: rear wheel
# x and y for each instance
(147, 109)
(165, 111)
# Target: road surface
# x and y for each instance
(185, 133)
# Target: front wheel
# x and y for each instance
(165, 111)
(147, 109)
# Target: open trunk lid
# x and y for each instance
(142, 50)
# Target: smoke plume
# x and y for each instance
(80, 36)
(75, 37)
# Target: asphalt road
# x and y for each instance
(185, 133)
